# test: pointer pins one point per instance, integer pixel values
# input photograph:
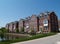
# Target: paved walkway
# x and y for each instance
(46, 40)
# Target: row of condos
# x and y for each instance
(43, 23)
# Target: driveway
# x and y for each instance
(46, 40)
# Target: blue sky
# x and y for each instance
(12, 10)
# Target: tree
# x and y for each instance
(17, 30)
(2, 32)
(32, 31)
(22, 29)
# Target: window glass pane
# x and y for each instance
(45, 27)
(45, 21)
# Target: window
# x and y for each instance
(45, 21)
(40, 29)
(45, 27)
(45, 16)
(27, 26)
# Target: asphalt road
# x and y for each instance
(46, 40)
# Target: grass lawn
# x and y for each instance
(27, 38)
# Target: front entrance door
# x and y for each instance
(40, 29)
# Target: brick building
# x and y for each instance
(21, 24)
(15, 26)
(31, 23)
(27, 24)
(10, 27)
(48, 22)
(34, 23)
(43, 23)
(59, 24)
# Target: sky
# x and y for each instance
(14, 10)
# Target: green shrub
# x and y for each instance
(17, 30)
(22, 29)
